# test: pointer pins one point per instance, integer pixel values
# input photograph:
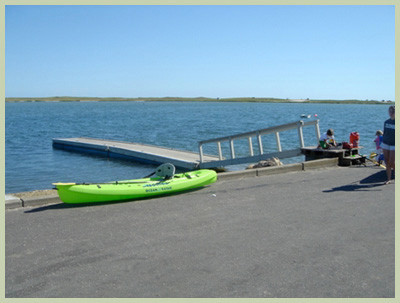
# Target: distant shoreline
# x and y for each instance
(198, 99)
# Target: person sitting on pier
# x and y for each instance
(327, 140)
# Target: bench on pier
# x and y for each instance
(346, 157)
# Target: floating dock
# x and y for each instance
(152, 154)
(143, 153)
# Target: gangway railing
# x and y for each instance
(252, 157)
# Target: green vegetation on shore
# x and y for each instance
(201, 99)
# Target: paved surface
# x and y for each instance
(320, 233)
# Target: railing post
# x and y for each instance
(278, 141)
(300, 130)
(260, 143)
(201, 152)
(250, 146)
(317, 132)
(219, 150)
(232, 149)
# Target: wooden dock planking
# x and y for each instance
(133, 151)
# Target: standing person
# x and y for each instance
(388, 144)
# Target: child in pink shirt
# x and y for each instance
(378, 142)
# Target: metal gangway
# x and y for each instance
(252, 157)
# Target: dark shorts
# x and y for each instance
(387, 146)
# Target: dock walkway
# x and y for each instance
(190, 160)
(133, 151)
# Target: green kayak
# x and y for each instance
(133, 189)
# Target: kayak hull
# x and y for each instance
(73, 193)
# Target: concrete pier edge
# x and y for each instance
(13, 201)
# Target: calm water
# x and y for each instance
(31, 162)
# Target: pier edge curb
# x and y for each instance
(13, 201)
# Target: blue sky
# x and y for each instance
(316, 52)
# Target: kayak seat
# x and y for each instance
(165, 171)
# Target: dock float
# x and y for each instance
(137, 152)
(156, 155)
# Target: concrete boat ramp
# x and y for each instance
(133, 151)
(313, 233)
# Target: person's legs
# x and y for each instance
(392, 158)
(386, 155)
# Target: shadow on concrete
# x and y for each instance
(80, 205)
(94, 204)
(380, 176)
(369, 183)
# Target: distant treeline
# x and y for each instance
(201, 99)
